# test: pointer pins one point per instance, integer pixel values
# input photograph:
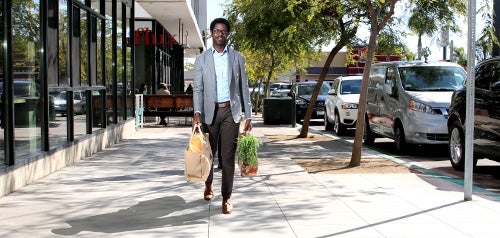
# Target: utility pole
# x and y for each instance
(445, 35)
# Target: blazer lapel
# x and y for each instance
(230, 61)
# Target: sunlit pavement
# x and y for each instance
(137, 189)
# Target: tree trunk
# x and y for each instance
(360, 123)
(257, 97)
(307, 118)
(375, 28)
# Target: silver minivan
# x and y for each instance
(409, 102)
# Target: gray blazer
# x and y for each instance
(204, 86)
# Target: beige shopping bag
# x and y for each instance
(197, 157)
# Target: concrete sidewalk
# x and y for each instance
(137, 189)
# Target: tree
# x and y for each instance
(26, 33)
(429, 16)
(257, 70)
(380, 12)
(389, 42)
(280, 33)
(487, 40)
(460, 57)
(344, 17)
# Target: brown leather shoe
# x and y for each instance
(227, 207)
(208, 194)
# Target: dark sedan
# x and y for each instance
(486, 116)
(302, 92)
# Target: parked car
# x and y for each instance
(281, 91)
(79, 103)
(302, 93)
(341, 104)
(409, 102)
(277, 86)
(486, 116)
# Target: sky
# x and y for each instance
(215, 9)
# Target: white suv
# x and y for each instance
(341, 105)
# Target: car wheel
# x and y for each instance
(328, 124)
(456, 146)
(338, 128)
(368, 135)
(399, 139)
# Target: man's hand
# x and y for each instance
(196, 119)
(248, 125)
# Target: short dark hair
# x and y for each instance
(220, 20)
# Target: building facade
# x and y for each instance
(70, 71)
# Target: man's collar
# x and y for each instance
(223, 52)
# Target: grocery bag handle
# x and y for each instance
(196, 128)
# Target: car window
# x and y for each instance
(303, 89)
(431, 78)
(274, 86)
(77, 96)
(307, 89)
(488, 76)
(351, 87)
(61, 96)
(324, 89)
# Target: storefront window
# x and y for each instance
(26, 77)
(77, 67)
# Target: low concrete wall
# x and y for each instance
(20, 175)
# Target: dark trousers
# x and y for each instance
(224, 125)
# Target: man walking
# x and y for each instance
(220, 94)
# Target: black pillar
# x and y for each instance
(496, 25)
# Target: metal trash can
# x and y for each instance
(279, 111)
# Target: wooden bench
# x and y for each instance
(163, 106)
(108, 112)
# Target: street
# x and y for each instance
(486, 174)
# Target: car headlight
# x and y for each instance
(420, 107)
(349, 106)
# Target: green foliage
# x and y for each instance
(247, 149)
(277, 36)
(389, 42)
(430, 16)
(487, 39)
(460, 56)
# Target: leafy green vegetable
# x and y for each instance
(247, 149)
